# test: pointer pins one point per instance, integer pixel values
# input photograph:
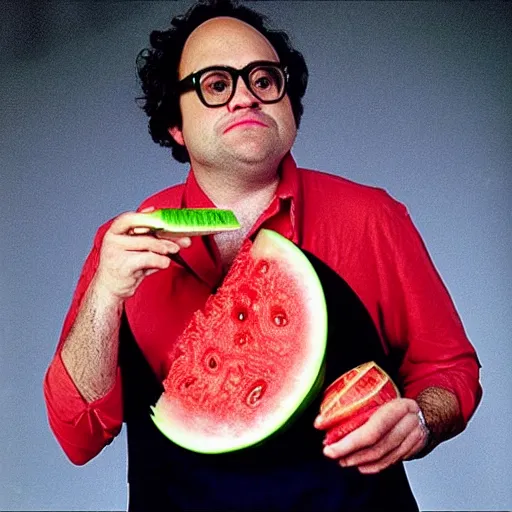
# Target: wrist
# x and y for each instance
(441, 417)
(104, 297)
(426, 430)
(428, 439)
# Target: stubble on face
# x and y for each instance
(249, 144)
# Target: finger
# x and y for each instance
(169, 235)
(126, 222)
(147, 209)
(183, 242)
(399, 453)
(145, 243)
(139, 231)
(173, 248)
(416, 448)
(145, 261)
(404, 429)
(136, 266)
(379, 424)
(419, 446)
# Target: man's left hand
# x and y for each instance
(393, 433)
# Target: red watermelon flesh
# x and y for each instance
(253, 357)
(351, 400)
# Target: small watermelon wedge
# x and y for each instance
(191, 221)
(252, 359)
(351, 400)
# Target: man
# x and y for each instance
(225, 93)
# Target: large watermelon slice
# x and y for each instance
(190, 221)
(252, 359)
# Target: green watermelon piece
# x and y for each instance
(191, 221)
(252, 359)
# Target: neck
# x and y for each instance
(247, 192)
(247, 207)
(238, 190)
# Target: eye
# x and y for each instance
(218, 86)
(266, 79)
(215, 83)
(263, 82)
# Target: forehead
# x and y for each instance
(224, 41)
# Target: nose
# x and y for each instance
(243, 97)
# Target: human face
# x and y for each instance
(245, 131)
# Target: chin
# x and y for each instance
(255, 153)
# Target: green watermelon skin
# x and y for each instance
(191, 221)
(252, 359)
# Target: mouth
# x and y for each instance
(245, 122)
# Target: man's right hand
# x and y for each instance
(129, 253)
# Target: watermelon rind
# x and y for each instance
(191, 221)
(268, 245)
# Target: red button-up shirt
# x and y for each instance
(360, 232)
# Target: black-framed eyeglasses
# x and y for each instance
(216, 85)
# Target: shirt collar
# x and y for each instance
(193, 194)
(288, 187)
(282, 213)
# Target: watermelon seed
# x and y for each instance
(243, 339)
(263, 268)
(188, 382)
(280, 319)
(254, 396)
(241, 315)
(212, 361)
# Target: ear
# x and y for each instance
(177, 135)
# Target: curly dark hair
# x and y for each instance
(157, 67)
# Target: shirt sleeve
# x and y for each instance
(81, 428)
(421, 317)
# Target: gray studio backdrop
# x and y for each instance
(413, 97)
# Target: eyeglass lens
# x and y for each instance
(265, 82)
